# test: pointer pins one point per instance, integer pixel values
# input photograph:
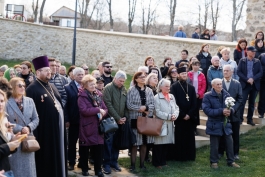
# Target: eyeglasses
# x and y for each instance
(21, 85)
(108, 66)
(86, 69)
(173, 71)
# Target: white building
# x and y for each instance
(65, 17)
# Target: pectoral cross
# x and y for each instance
(56, 106)
(187, 97)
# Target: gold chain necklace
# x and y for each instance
(52, 96)
(187, 96)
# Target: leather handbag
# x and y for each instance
(149, 126)
(108, 125)
(30, 144)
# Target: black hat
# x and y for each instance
(100, 79)
(182, 70)
(251, 48)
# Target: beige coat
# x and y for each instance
(164, 110)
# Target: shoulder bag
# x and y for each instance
(108, 125)
(30, 144)
(149, 126)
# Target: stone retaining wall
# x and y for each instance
(21, 40)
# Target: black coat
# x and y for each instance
(237, 55)
(259, 51)
(164, 71)
(205, 62)
(242, 72)
(4, 153)
(203, 36)
(71, 110)
(262, 61)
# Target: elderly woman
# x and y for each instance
(166, 65)
(10, 73)
(6, 147)
(167, 110)
(172, 74)
(23, 114)
(143, 69)
(140, 102)
(214, 71)
(225, 60)
(199, 82)
(240, 50)
(151, 82)
(3, 68)
(70, 73)
(92, 110)
(26, 73)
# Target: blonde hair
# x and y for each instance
(148, 78)
(13, 82)
(3, 127)
(226, 49)
(88, 78)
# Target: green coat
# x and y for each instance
(115, 100)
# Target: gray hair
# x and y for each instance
(215, 80)
(214, 57)
(120, 74)
(162, 83)
(63, 67)
(3, 68)
(230, 67)
(148, 78)
(78, 70)
(141, 68)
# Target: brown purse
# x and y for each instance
(149, 126)
(30, 144)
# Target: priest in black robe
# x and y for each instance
(51, 132)
(185, 95)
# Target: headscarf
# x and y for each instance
(7, 73)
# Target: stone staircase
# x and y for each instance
(202, 139)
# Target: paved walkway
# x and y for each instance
(77, 172)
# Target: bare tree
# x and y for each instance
(86, 13)
(148, 15)
(237, 11)
(41, 11)
(172, 10)
(206, 12)
(215, 13)
(203, 14)
(132, 6)
(100, 12)
(110, 15)
(35, 8)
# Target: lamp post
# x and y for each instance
(74, 39)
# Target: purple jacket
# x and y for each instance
(89, 122)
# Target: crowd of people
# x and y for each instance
(63, 107)
(205, 35)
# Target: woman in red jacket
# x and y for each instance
(92, 109)
(199, 82)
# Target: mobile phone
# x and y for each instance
(22, 137)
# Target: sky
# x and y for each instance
(186, 11)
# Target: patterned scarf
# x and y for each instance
(96, 100)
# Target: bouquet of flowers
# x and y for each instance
(229, 102)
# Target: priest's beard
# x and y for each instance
(182, 79)
(45, 78)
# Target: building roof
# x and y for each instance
(65, 12)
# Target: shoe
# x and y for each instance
(100, 174)
(106, 169)
(71, 167)
(116, 167)
(251, 123)
(236, 157)
(143, 168)
(261, 116)
(214, 165)
(85, 173)
(132, 168)
(234, 165)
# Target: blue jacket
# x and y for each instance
(180, 34)
(214, 73)
(195, 36)
(242, 72)
(213, 108)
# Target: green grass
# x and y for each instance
(252, 161)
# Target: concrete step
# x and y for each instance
(203, 120)
(201, 141)
(201, 130)
(256, 119)
(244, 127)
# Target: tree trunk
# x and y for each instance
(131, 14)
(233, 21)
(173, 4)
(41, 11)
(110, 15)
(35, 10)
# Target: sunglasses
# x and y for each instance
(173, 71)
(108, 66)
(21, 85)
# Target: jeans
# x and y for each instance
(250, 93)
(214, 145)
(111, 154)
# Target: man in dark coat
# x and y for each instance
(51, 132)
(184, 58)
(71, 112)
(233, 87)
(196, 35)
(250, 72)
(185, 96)
(213, 105)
